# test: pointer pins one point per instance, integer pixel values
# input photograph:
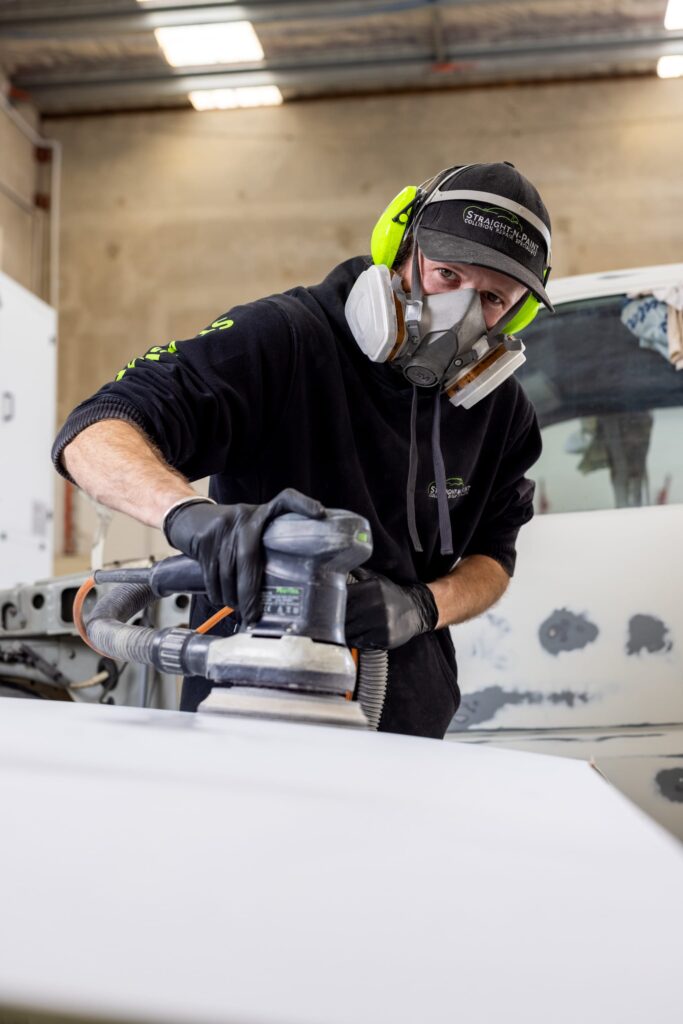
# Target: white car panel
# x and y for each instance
(171, 868)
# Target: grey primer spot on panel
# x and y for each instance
(645, 632)
(670, 782)
(566, 631)
(482, 706)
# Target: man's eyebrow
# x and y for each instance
(504, 290)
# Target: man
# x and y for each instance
(378, 391)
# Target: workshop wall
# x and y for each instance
(22, 224)
(171, 217)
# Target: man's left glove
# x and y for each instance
(381, 615)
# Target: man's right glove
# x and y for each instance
(226, 541)
(381, 614)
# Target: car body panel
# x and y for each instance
(190, 869)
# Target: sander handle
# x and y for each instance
(178, 574)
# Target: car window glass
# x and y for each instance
(610, 406)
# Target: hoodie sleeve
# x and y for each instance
(510, 502)
(209, 402)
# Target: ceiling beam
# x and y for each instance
(438, 35)
(98, 20)
(575, 49)
(61, 91)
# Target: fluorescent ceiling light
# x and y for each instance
(231, 42)
(670, 67)
(673, 18)
(229, 99)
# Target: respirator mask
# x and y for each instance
(439, 339)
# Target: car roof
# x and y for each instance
(614, 282)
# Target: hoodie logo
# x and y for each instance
(455, 488)
(218, 325)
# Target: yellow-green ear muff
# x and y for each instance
(390, 229)
(526, 314)
(524, 317)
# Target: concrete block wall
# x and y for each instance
(22, 224)
(169, 218)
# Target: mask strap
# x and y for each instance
(415, 277)
(440, 480)
(412, 475)
(413, 307)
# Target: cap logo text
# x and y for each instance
(500, 222)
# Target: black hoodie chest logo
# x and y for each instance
(455, 488)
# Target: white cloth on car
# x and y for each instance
(675, 336)
(656, 318)
(672, 295)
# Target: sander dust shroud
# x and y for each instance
(293, 663)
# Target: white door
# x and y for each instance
(28, 329)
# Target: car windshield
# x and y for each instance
(609, 401)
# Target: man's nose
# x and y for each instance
(467, 282)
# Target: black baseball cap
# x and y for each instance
(492, 216)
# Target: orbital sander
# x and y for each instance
(293, 662)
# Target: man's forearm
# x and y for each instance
(115, 463)
(474, 585)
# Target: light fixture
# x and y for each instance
(232, 42)
(670, 67)
(673, 18)
(229, 99)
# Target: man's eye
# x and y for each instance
(495, 300)
(447, 274)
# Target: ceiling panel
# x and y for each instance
(94, 55)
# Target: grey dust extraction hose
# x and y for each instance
(373, 671)
(176, 650)
(107, 627)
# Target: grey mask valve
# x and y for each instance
(451, 329)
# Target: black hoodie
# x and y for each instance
(276, 394)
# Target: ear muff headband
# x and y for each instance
(390, 229)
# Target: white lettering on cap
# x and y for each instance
(491, 197)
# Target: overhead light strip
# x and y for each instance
(232, 99)
(233, 42)
(673, 19)
(670, 67)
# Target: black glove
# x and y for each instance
(226, 541)
(381, 615)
